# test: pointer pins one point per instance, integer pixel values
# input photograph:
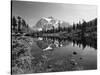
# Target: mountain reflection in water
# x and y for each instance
(54, 54)
(46, 43)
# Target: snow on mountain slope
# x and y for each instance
(47, 23)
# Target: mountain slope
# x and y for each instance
(47, 23)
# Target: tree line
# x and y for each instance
(18, 24)
(83, 27)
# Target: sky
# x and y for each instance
(33, 11)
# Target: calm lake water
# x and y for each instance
(81, 54)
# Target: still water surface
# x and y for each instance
(55, 51)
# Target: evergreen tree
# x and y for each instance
(19, 23)
(73, 26)
(23, 23)
(59, 27)
(53, 29)
(14, 23)
(84, 24)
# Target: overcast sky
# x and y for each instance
(33, 11)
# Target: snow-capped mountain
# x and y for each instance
(47, 23)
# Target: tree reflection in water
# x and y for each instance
(56, 42)
(50, 61)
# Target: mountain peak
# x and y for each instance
(45, 18)
(51, 17)
(47, 23)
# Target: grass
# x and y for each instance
(23, 62)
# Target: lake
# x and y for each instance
(58, 54)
